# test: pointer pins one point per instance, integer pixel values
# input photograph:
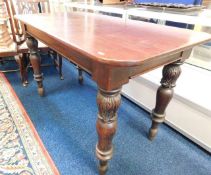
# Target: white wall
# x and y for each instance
(189, 112)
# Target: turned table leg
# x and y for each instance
(171, 73)
(108, 103)
(32, 44)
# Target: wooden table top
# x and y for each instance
(111, 40)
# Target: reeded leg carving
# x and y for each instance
(35, 62)
(171, 73)
(108, 103)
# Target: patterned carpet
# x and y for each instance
(21, 150)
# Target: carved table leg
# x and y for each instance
(35, 62)
(108, 104)
(171, 73)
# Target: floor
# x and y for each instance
(65, 120)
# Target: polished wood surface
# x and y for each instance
(114, 51)
(111, 40)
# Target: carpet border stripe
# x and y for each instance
(37, 137)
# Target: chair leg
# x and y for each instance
(57, 59)
(80, 75)
(21, 60)
(60, 66)
(1, 61)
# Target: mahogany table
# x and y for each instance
(113, 51)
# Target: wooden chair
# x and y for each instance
(8, 48)
(36, 6)
(29, 6)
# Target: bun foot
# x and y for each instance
(80, 80)
(152, 133)
(41, 91)
(103, 167)
(25, 83)
(61, 77)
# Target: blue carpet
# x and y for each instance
(65, 120)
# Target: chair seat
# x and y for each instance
(24, 49)
(8, 51)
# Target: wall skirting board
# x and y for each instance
(192, 99)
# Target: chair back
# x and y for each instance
(7, 46)
(24, 7)
(31, 6)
